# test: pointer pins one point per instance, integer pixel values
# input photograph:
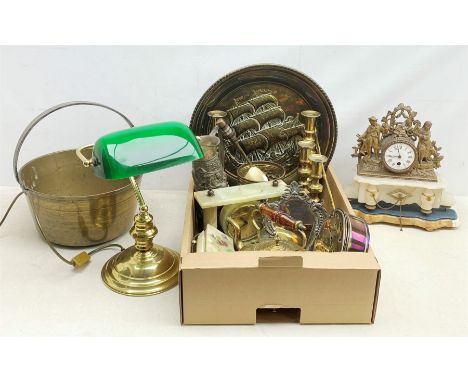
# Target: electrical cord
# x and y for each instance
(10, 207)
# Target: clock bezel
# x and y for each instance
(394, 140)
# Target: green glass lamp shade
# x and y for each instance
(144, 149)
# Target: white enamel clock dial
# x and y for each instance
(399, 157)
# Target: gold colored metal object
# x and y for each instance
(304, 171)
(263, 105)
(312, 163)
(398, 147)
(314, 186)
(81, 259)
(214, 116)
(307, 146)
(242, 215)
(208, 172)
(74, 207)
(297, 204)
(70, 206)
(283, 234)
(284, 240)
(145, 268)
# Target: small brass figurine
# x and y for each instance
(398, 147)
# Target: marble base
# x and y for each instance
(370, 191)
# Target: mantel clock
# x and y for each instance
(396, 179)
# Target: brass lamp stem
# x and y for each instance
(138, 194)
(143, 230)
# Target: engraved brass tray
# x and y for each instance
(263, 105)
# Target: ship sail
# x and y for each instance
(263, 100)
(243, 109)
(267, 138)
(275, 113)
(246, 124)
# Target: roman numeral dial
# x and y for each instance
(399, 157)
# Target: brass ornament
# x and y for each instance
(297, 204)
(317, 172)
(242, 215)
(290, 237)
(399, 147)
(208, 172)
(307, 146)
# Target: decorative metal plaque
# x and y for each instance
(263, 105)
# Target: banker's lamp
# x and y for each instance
(145, 268)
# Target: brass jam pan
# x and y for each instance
(263, 104)
(71, 206)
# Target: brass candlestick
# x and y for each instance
(305, 170)
(315, 187)
(214, 116)
(310, 119)
(309, 145)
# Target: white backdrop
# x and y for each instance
(151, 84)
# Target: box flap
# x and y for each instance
(313, 260)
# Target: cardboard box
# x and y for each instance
(250, 287)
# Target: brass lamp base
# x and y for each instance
(145, 268)
(136, 273)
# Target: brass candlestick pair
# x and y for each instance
(311, 161)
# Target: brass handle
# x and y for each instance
(86, 162)
(280, 217)
(304, 238)
(44, 114)
(237, 232)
